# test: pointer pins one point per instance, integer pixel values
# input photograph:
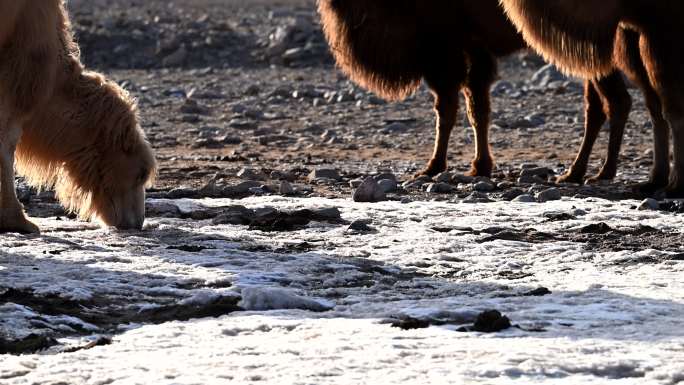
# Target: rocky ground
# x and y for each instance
(263, 146)
(224, 85)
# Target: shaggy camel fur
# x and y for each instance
(389, 46)
(583, 36)
(66, 128)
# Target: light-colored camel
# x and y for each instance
(66, 128)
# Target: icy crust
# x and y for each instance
(611, 316)
(298, 349)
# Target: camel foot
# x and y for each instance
(602, 176)
(651, 188)
(571, 177)
(18, 224)
(481, 167)
(432, 170)
(673, 191)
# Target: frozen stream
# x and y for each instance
(315, 305)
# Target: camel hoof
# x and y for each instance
(21, 226)
(674, 192)
(606, 174)
(472, 172)
(431, 171)
(570, 178)
(598, 179)
(481, 167)
(650, 188)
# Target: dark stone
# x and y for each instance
(361, 226)
(411, 324)
(538, 292)
(596, 228)
(491, 321)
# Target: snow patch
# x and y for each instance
(272, 298)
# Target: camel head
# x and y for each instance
(88, 144)
(119, 200)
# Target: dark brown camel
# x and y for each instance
(589, 38)
(390, 46)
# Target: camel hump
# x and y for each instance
(576, 35)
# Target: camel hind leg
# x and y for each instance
(594, 118)
(605, 99)
(662, 58)
(660, 171)
(628, 58)
(12, 218)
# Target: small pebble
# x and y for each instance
(369, 191)
(483, 186)
(439, 188)
(512, 194)
(552, 194)
(444, 177)
(324, 173)
(286, 188)
(361, 226)
(649, 204)
(477, 197)
(388, 185)
(250, 174)
(524, 198)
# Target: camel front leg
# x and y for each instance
(478, 107)
(12, 218)
(444, 81)
(446, 109)
(483, 71)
